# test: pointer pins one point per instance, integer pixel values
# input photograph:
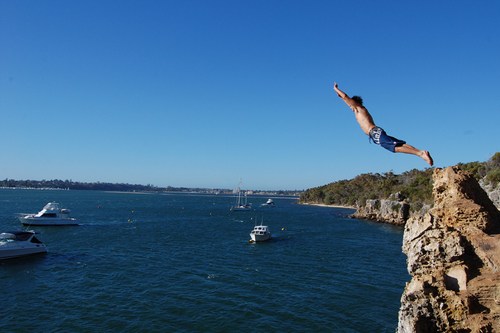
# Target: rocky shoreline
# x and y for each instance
(396, 209)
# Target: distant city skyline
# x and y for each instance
(205, 93)
(60, 184)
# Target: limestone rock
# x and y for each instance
(390, 210)
(454, 259)
(492, 191)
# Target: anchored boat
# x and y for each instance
(50, 215)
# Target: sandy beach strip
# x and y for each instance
(325, 205)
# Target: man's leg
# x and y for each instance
(407, 149)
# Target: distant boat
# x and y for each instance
(15, 244)
(260, 233)
(268, 203)
(241, 205)
(50, 215)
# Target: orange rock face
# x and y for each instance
(454, 260)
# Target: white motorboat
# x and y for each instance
(15, 244)
(50, 215)
(260, 233)
(268, 203)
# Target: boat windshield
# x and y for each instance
(49, 215)
(23, 235)
(36, 240)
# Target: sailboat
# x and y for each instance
(241, 205)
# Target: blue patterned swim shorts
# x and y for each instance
(378, 136)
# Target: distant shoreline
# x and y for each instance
(325, 205)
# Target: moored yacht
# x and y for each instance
(260, 233)
(15, 244)
(50, 215)
(268, 203)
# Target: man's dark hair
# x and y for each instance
(357, 99)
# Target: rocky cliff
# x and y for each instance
(454, 259)
(396, 209)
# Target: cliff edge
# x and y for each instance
(453, 256)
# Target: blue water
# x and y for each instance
(182, 263)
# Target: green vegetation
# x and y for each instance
(488, 171)
(414, 185)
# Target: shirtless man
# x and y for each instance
(376, 133)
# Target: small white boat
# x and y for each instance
(268, 203)
(50, 215)
(260, 233)
(15, 244)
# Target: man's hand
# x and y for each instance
(337, 90)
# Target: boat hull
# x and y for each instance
(21, 251)
(260, 238)
(37, 221)
(241, 209)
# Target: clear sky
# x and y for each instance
(203, 93)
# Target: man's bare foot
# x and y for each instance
(427, 157)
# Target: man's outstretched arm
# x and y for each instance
(349, 101)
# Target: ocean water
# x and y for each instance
(183, 263)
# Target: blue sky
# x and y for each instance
(205, 93)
